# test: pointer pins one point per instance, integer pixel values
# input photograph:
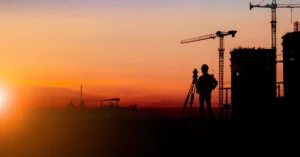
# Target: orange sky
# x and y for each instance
(126, 51)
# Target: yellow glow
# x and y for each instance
(3, 101)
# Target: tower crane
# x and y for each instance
(273, 8)
(221, 36)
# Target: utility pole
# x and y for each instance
(81, 105)
(81, 93)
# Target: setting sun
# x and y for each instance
(2, 101)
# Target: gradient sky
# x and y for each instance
(126, 48)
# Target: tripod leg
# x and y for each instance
(185, 103)
(192, 100)
(187, 99)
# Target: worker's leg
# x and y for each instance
(201, 108)
(209, 108)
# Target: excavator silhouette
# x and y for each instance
(113, 103)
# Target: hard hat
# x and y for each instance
(204, 67)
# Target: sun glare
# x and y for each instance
(2, 101)
(4, 107)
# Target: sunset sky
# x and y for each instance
(124, 48)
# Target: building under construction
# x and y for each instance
(291, 64)
(253, 81)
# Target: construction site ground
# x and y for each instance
(74, 137)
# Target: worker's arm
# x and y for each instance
(198, 86)
(215, 82)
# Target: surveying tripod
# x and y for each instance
(191, 93)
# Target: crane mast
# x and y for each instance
(221, 36)
(221, 75)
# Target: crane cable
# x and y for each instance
(261, 1)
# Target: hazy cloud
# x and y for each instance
(146, 3)
(53, 96)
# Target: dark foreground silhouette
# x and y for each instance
(58, 133)
(205, 85)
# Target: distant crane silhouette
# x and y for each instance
(273, 8)
(221, 35)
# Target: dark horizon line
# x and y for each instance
(138, 107)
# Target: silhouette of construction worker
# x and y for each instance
(71, 105)
(205, 85)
